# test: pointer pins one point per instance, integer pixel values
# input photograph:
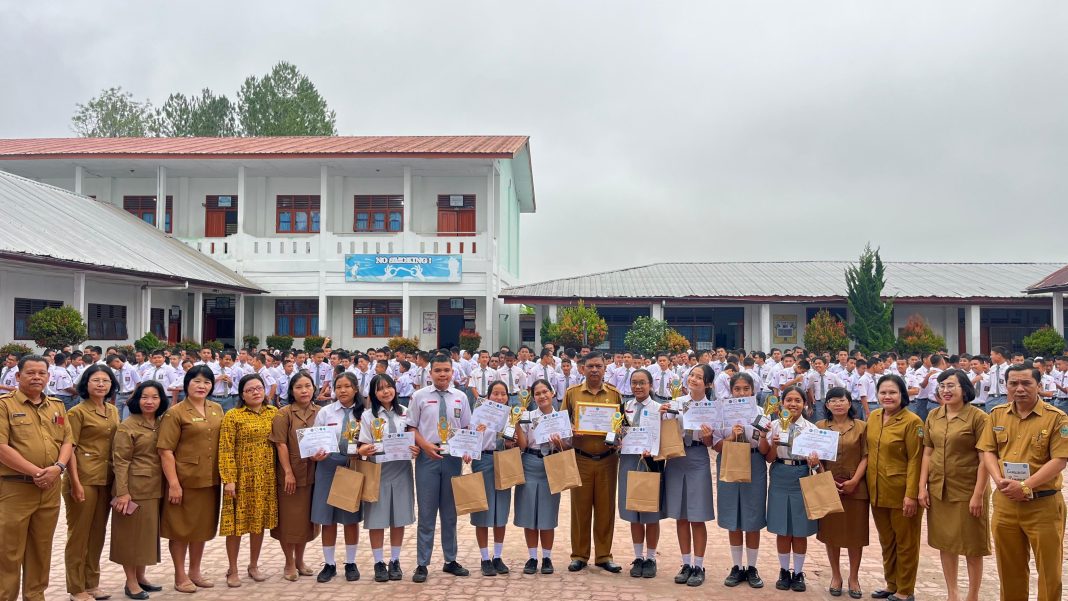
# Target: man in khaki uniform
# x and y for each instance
(595, 500)
(1025, 450)
(35, 446)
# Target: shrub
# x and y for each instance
(127, 350)
(250, 341)
(314, 343)
(55, 328)
(918, 337)
(825, 333)
(573, 322)
(469, 340)
(675, 342)
(280, 343)
(549, 331)
(215, 345)
(400, 343)
(1044, 342)
(188, 345)
(148, 343)
(14, 347)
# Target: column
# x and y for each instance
(324, 212)
(238, 239)
(1058, 312)
(79, 296)
(489, 333)
(539, 317)
(239, 320)
(406, 311)
(764, 327)
(407, 245)
(656, 311)
(952, 329)
(324, 314)
(146, 311)
(198, 316)
(79, 176)
(161, 197)
(971, 328)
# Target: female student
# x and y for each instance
(644, 526)
(537, 509)
(395, 507)
(496, 516)
(786, 508)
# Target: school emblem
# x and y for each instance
(1064, 431)
(919, 431)
(999, 428)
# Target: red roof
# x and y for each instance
(495, 147)
(1054, 282)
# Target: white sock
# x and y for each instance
(378, 554)
(350, 553)
(498, 548)
(751, 555)
(784, 561)
(533, 552)
(650, 553)
(698, 562)
(686, 559)
(328, 555)
(799, 563)
(546, 553)
(639, 550)
(736, 555)
(484, 551)
(394, 553)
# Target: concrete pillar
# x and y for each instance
(490, 331)
(952, 325)
(553, 313)
(764, 327)
(324, 207)
(242, 200)
(161, 197)
(239, 320)
(406, 311)
(656, 311)
(1058, 312)
(79, 296)
(79, 176)
(198, 316)
(407, 243)
(146, 312)
(539, 317)
(324, 313)
(971, 328)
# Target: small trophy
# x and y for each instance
(377, 429)
(524, 399)
(784, 423)
(513, 420)
(676, 388)
(351, 435)
(612, 435)
(762, 421)
(443, 433)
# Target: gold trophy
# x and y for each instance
(513, 420)
(443, 433)
(524, 399)
(784, 424)
(378, 427)
(676, 388)
(352, 434)
(612, 435)
(762, 422)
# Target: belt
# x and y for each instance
(1044, 493)
(599, 457)
(534, 452)
(790, 461)
(662, 398)
(29, 479)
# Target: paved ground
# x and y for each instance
(594, 584)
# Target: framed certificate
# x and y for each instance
(594, 418)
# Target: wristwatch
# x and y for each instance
(62, 467)
(1027, 492)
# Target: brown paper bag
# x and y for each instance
(562, 471)
(735, 465)
(671, 440)
(469, 492)
(643, 489)
(372, 479)
(508, 469)
(346, 489)
(820, 495)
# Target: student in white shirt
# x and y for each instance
(405, 388)
(819, 381)
(566, 378)
(259, 363)
(60, 381)
(127, 377)
(545, 369)
(722, 383)
(513, 376)
(482, 376)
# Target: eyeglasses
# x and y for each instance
(948, 387)
(254, 389)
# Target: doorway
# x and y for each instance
(454, 315)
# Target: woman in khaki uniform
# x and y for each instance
(895, 444)
(188, 447)
(295, 476)
(848, 530)
(138, 482)
(953, 482)
(87, 490)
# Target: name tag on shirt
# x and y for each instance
(199, 419)
(1017, 471)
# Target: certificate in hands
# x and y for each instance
(397, 447)
(739, 411)
(701, 413)
(557, 422)
(823, 442)
(643, 438)
(491, 413)
(594, 418)
(466, 442)
(315, 439)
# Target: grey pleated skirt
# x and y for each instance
(535, 507)
(628, 463)
(786, 506)
(500, 501)
(395, 507)
(743, 505)
(322, 513)
(688, 486)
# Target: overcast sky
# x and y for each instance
(659, 131)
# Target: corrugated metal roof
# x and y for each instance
(1054, 282)
(266, 147)
(42, 223)
(794, 280)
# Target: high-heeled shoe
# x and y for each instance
(254, 574)
(141, 595)
(232, 579)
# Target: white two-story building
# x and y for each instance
(356, 238)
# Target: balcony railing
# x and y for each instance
(337, 246)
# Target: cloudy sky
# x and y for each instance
(660, 131)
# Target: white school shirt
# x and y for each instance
(480, 380)
(632, 408)
(864, 387)
(1049, 384)
(283, 384)
(424, 411)
(58, 381)
(320, 375)
(404, 385)
(526, 366)
(781, 451)
(722, 385)
(996, 375)
(127, 377)
(982, 387)
(929, 392)
(662, 381)
(144, 368)
(333, 415)
(1060, 378)
(622, 381)
(562, 383)
(812, 383)
(514, 377)
(160, 374)
(548, 373)
(757, 379)
(246, 368)
(268, 380)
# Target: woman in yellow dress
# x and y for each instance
(246, 467)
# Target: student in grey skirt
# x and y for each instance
(786, 506)
(536, 509)
(499, 501)
(644, 526)
(395, 507)
(742, 505)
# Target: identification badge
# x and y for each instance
(456, 413)
(18, 415)
(199, 419)
(1017, 471)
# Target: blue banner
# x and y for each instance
(403, 268)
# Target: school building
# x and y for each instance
(760, 305)
(356, 238)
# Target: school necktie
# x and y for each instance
(343, 444)
(663, 381)
(484, 379)
(823, 387)
(638, 407)
(363, 375)
(511, 382)
(316, 376)
(997, 381)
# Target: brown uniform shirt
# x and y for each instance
(954, 458)
(852, 449)
(1035, 439)
(35, 431)
(287, 421)
(607, 396)
(894, 453)
(194, 439)
(92, 430)
(138, 471)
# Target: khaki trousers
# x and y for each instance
(87, 523)
(28, 517)
(900, 539)
(594, 501)
(1019, 529)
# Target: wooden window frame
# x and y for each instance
(139, 206)
(469, 208)
(307, 204)
(377, 204)
(368, 310)
(158, 322)
(24, 308)
(292, 309)
(107, 322)
(211, 205)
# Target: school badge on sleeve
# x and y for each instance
(1064, 431)
(919, 431)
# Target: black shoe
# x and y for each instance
(352, 573)
(547, 566)
(636, 568)
(798, 583)
(784, 581)
(531, 566)
(683, 575)
(487, 568)
(142, 595)
(498, 564)
(753, 577)
(894, 597)
(327, 574)
(395, 572)
(697, 577)
(734, 578)
(381, 572)
(576, 565)
(453, 567)
(420, 574)
(649, 568)
(610, 566)
(150, 587)
(881, 594)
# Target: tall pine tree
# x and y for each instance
(872, 326)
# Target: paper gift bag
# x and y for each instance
(372, 479)
(562, 471)
(469, 492)
(671, 440)
(820, 495)
(508, 469)
(643, 489)
(735, 465)
(346, 489)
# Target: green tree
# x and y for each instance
(1044, 342)
(206, 115)
(148, 343)
(647, 336)
(580, 325)
(55, 328)
(112, 114)
(283, 103)
(825, 333)
(872, 327)
(918, 337)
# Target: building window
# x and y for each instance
(220, 216)
(158, 321)
(296, 317)
(24, 308)
(456, 214)
(107, 322)
(376, 318)
(297, 214)
(378, 213)
(144, 207)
